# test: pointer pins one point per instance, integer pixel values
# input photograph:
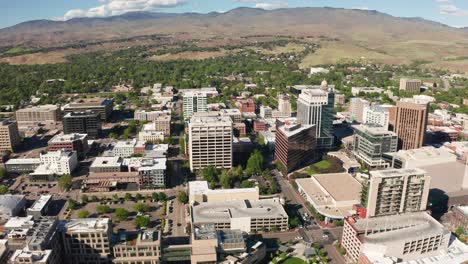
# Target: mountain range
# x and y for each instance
(348, 24)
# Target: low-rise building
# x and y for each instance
(106, 164)
(200, 193)
(44, 114)
(72, 142)
(412, 86)
(110, 181)
(11, 205)
(332, 195)
(246, 106)
(53, 164)
(266, 111)
(124, 148)
(245, 215)
(40, 207)
(376, 115)
(459, 218)
(19, 166)
(259, 126)
(234, 114)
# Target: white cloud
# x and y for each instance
(361, 7)
(443, 1)
(271, 6)
(118, 7)
(450, 9)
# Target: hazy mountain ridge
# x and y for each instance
(358, 25)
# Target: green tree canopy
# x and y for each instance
(255, 163)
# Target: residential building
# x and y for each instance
(295, 144)
(284, 106)
(54, 163)
(209, 92)
(143, 115)
(246, 106)
(87, 122)
(87, 240)
(22, 165)
(72, 142)
(40, 207)
(245, 215)
(376, 115)
(194, 102)
(106, 164)
(138, 247)
(412, 86)
(370, 142)
(152, 171)
(315, 107)
(234, 114)
(200, 193)
(401, 238)
(332, 195)
(11, 205)
(396, 191)
(44, 114)
(9, 135)
(101, 106)
(356, 108)
(210, 142)
(411, 122)
(266, 111)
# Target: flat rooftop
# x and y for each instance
(373, 129)
(396, 172)
(293, 129)
(60, 138)
(40, 108)
(428, 155)
(23, 161)
(87, 225)
(224, 211)
(402, 227)
(106, 162)
(332, 194)
(210, 121)
(40, 203)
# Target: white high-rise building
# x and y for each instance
(315, 107)
(210, 142)
(63, 161)
(376, 115)
(284, 106)
(356, 108)
(194, 102)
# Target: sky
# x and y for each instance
(450, 12)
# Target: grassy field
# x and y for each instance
(324, 164)
(293, 260)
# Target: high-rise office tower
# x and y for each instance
(315, 107)
(396, 191)
(210, 142)
(411, 122)
(9, 135)
(284, 106)
(356, 108)
(412, 86)
(295, 144)
(194, 102)
(88, 122)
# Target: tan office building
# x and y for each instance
(412, 86)
(87, 241)
(411, 122)
(210, 142)
(138, 248)
(44, 114)
(397, 191)
(9, 135)
(356, 108)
